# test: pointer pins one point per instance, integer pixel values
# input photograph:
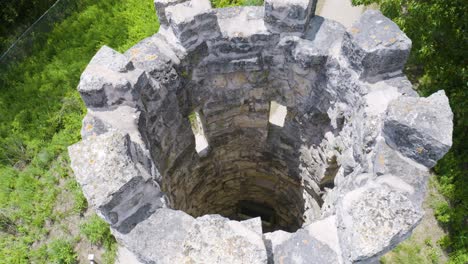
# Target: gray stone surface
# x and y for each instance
(341, 180)
(215, 239)
(288, 16)
(114, 183)
(371, 219)
(376, 47)
(302, 248)
(420, 128)
(110, 79)
(395, 170)
(192, 22)
(159, 239)
(161, 5)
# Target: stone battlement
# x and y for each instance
(184, 155)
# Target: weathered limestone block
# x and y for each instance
(316, 243)
(400, 172)
(129, 194)
(243, 33)
(302, 52)
(325, 33)
(371, 219)
(403, 84)
(338, 87)
(155, 56)
(193, 22)
(302, 248)
(274, 239)
(325, 231)
(420, 128)
(376, 47)
(110, 79)
(161, 5)
(215, 239)
(254, 224)
(288, 16)
(160, 238)
(125, 120)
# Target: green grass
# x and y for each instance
(40, 116)
(98, 233)
(225, 3)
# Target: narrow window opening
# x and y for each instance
(278, 114)
(201, 142)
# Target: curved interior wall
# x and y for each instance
(249, 159)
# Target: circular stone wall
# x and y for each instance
(258, 134)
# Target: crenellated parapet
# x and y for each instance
(258, 135)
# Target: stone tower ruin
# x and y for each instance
(258, 135)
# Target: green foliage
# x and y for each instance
(110, 254)
(411, 252)
(40, 116)
(61, 252)
(81, 204)
(406, 254)
(438, 61)
(17, 15)
(97, 232)
(226, 3)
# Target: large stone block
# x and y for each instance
(375, 47)
(302, 248)
(193, 22)
(371, 219)
(215, 239)
(130, 195)
(288, 16)
(160, 238)
(157, 58)
(315, 243)
(110, 79)
(161, 5)
(420, 128)
(400, 172)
